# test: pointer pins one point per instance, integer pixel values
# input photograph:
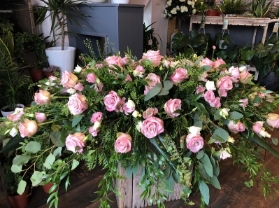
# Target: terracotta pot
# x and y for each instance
(47, 187)
(36, 74)
(48, 74)
(212, 12)
(20, 201)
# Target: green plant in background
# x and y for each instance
(267, 56)
(201, 7)
(232, 7)
(195, 42)
(260, 8)
(150, 41)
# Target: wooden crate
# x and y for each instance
(130, 191)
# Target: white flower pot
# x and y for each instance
(5, 113)
(119, 1)
(64, 59)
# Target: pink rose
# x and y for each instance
(243, 102)
(152, 79)
(209, 96)
(123, 143)
(79, 87)
(15, 116)
(215, 103)
(128, 78)
(257, 127)
(194, 142)
(203, 77)
(93, 131)
(200, 89)
(152, 127)
(75, 142)
(222, 93)
(42, 97)
(69, 80)
(112, 101)
(91, 78)
(98, 116)
(99, 65)
(98, 87)
(149, 112)
(179, 75)
(153, 56)
(139, 71)
(114, 60)
(207, 61)
(235, 73)
(27, 128)
(273, 120)
(41, 117)
(225, 83)
(171, 106)
(77, 104)
(236, 127)
(124, 60)
(245, 77)
(218, 63)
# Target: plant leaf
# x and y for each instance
(207, 165)
(214, 181)
(33, 147)
(235, 115)
(76, 120)
(204, 192)
(153, 92)
(49, 161)
(21, 187)
(75, 163)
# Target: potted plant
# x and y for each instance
(51, 71)
(260, 8)
(30, 53)
(14, 85)
(231, 7)
(61, 13)
(18, 197)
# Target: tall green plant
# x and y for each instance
(62, 12)
(259, 8)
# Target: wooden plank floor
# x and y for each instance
(234, 194)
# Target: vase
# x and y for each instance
(119, 1)
(131, 192)
(5, 111)
(47, 187)
(212, 12)
(20, 201)
(36, 74)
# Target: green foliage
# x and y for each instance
(150, 41)
(260, 8)
(232, 7)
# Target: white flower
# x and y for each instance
(77, 69)
(195, 130)
(190, 2)
(71, 91)
(178, 8)
(13, 132)
(136, 114)
(97, 125)
(209, 85)
(182, 0)
(224, 112)
(130, 104)
(242, 68)
(139, 125)
(169, 2)
(184, 9)
(173, 11)
(224, 154)
(231, 139)
(263, 133)
(194, 11)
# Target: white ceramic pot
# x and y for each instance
(5, 113)
(95, 1)
(120, 1)
(64, 59)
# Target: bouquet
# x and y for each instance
(179, 8)
(176, 118)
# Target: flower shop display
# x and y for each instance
(167, 120)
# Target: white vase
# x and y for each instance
(120, 1)
(95, 1)
(5, 113)
(64, 59)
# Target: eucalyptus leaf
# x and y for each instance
(202, 172)
(131, 171)
(33, 147)
(21, 187)
(76, 120)
(16, 168)
(200, 154)
(204, 192)
(21, 159)
(219, 132)
(37, 177)
(274, 140)
(55, 137)
(207, 165)
(49, 161)
(214, 181)
(163, 92)
(235, 115)
(168, 84)
(75, 163)
(57, 152)
(169, 183)
(153, 92)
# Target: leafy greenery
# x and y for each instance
(260, 8)
(232, 7)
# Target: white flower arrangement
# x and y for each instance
(180, 8)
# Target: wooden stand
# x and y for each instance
(130, 191)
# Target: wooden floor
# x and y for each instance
(234, 194)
